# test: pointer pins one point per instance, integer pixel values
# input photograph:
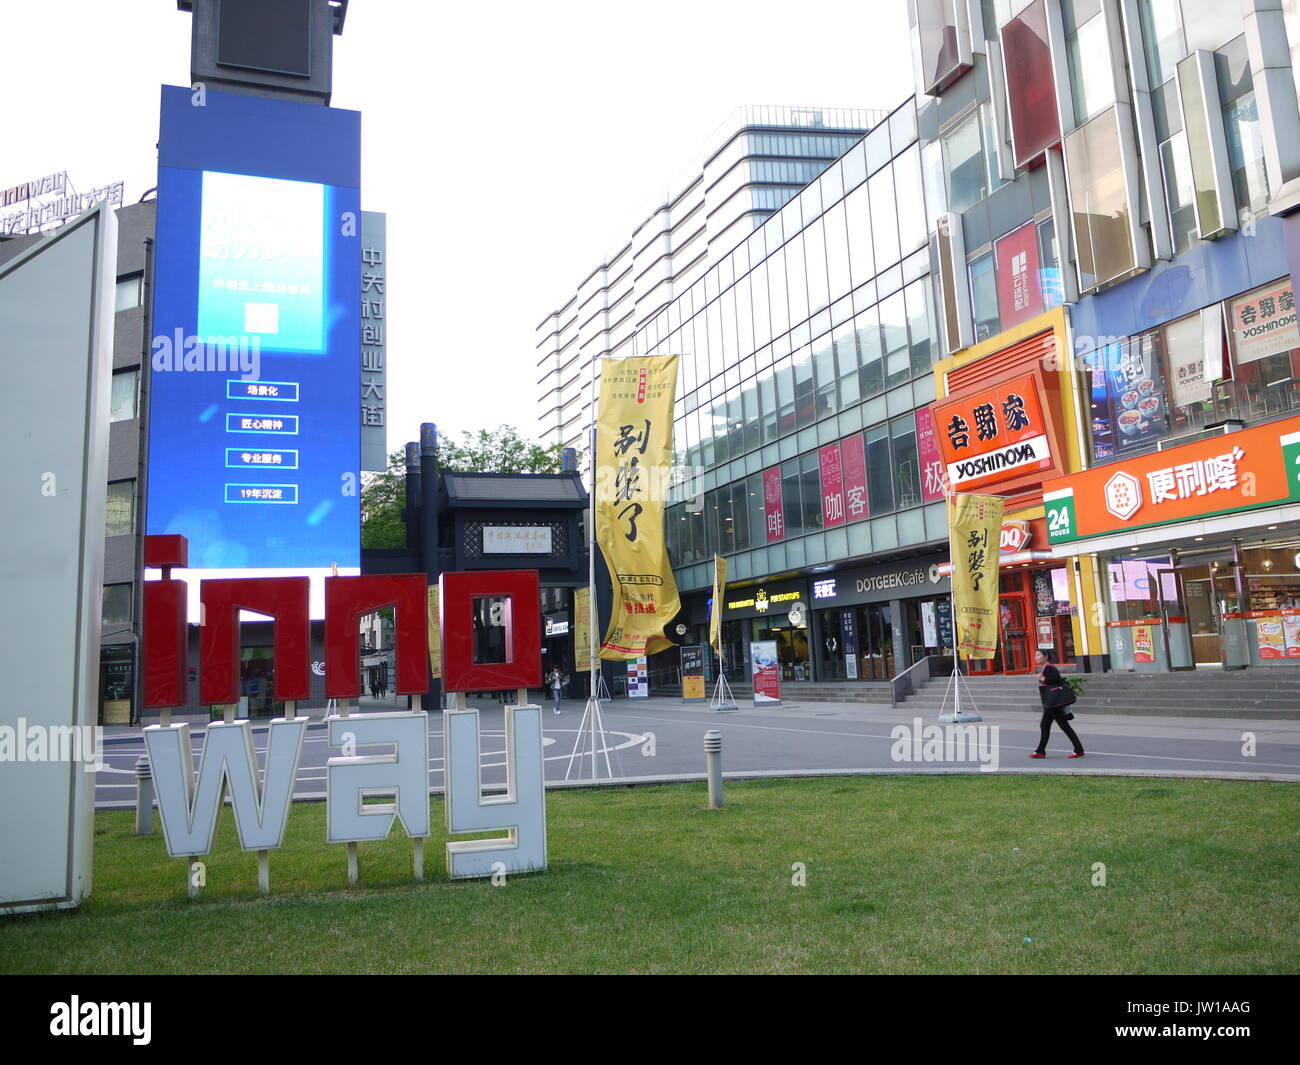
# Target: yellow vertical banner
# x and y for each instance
(582, 630)
(435, 634)
(634, 440)
(974, 539)
(719, 589)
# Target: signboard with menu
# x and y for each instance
(693, 673)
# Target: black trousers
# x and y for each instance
(1045, 726)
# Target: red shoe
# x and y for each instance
(1077, 754)
(1037, 755)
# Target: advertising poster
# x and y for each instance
(772, 512)
(1136, 403)
(1045, 636)
(1144, 645)
(1291, 632)
(933, 475)
(766, 672)
(1103, 429)
(848, 628)
(853, 460)
(638, 679)
(832, 485)
(634, 437)
(1269, 636)
(693, 673)
(973, 539)
(1019, 295)
(929, 625)
(582, 630)
(1264, 322)
(943, 608)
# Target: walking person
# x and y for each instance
(556, 679)
(1056, 697)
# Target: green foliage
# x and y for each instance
(1077, 684)
(500, 450)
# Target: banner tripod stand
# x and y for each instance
(722, 697)
(956, 682)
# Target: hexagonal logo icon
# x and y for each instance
(1123, 495)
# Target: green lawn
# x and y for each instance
(904, 874)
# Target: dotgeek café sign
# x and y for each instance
(190, 802)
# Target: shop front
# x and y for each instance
(872, 622)
(1009, 423)
(778, 612)
(1197, 548)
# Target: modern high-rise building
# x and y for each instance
(759, 158)
(1111, 187)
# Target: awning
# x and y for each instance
(1009, 558)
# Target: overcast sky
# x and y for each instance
(513, 145)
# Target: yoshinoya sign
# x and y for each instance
(190, 803)
(994, 434)
(1238, 471)
(48, 201)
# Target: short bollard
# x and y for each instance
(143, 797)
(713, 759)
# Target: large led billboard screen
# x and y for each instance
(254, 442)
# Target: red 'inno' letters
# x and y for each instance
(346, 599)
(286, 599)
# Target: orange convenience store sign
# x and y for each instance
(1245, 470)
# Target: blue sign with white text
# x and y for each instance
(254, 448)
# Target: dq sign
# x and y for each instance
(190, 803)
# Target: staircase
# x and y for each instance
(867, 694)
(1250, 693)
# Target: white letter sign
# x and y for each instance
(349, 779)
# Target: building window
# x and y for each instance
(880, 472)
(1180, 191)
(128, 292)
(116, 606)
(122, 406)
(963, 162)
(1031, 92)
(1087, 45)
(1099, 201)
(119, 514)
(984, 297)
(1162, 38)
(907, 467)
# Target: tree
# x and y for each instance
(501, 450)
(383, 495)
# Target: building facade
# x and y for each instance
(766, 156)
(1111, 186)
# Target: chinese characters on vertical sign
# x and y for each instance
(374, 347)
(934, 478)
(974, 538)
(832, 486)
(772, 504)
(634, 457)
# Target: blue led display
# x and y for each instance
(256, 333)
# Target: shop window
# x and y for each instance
(1265, 352)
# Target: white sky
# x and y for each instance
(512, 144)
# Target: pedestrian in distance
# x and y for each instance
(1056, 696)
(556, 679)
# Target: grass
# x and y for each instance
(906, 874)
